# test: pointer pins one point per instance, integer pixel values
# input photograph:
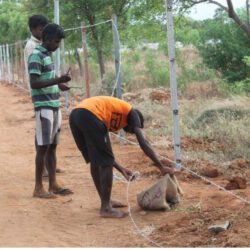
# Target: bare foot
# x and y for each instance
(112, 213)
(41, 193)
(115, 204)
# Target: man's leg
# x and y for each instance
(50, 161)
(95, 173)
(40, 158)
(105, 188)
(51, 166)
(45, 171)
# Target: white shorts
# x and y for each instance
(48, 126)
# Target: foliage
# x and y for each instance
(13, 23)
(223, 47)
(246, 60)
(187, 31)
(191, 71)
(221, 43)
(156, 70)
(243, 86)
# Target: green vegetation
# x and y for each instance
(222, 44)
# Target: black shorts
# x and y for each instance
(91, 137)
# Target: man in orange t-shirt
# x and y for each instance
(90, 123)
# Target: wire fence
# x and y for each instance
(13, 71)
(84, 70)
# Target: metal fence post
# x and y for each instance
(63, 69)
(173, 82)
(57, 21)
(1, 63)
(12, 64)
(8, 62)
(85, 56)
(16, 63)
(118, 82)
(23, 74)
(4, 63)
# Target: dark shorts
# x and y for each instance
(91, 137)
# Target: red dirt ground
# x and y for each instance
(73, 221)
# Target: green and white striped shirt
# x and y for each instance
(40, 63)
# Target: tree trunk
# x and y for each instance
(91, 19)
(77, 56)
(232, 14)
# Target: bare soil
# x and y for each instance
(73, 221)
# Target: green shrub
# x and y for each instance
(241, 87)
(156, 70)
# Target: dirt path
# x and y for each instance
(73, 221)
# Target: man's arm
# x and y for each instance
(124, 171)
(37, 83)
(148, 150)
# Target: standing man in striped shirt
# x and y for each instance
(45, 97)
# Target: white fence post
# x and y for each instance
(117, 57)
(173, 82)
(1, 63)
(4, 63)
(8, 63)
(63, 70)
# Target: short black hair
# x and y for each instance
(52, 31)
(37, 20)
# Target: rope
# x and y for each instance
(132, 219)
(196, 174)
(87, 26)
(122, 179)
(216, 185)
(123, 138)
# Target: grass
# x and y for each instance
(200, 89)
(230, 133)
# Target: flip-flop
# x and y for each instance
(59, 171)
(117, 204)
(63, 191)
(48, 195)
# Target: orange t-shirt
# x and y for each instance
(112, 111)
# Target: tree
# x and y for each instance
(13, 23)
(228, 8)
(72, 13)
(223, 47)
(93, 12)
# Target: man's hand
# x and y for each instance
(167, 170)
(63, 87)
(127, 174)
(64, 78)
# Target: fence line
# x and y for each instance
(12, 71)
(193, 173)
(12, 65)
(122, 179)
(5, 74)
(87, 26)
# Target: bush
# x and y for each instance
(156, 70)
(241, 87)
